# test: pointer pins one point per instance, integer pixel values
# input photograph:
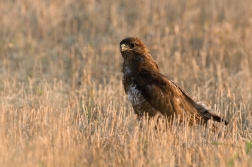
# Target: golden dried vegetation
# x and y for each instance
(61, 98)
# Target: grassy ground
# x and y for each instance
(61, 98)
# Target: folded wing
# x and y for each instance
(169, 99)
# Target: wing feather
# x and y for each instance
(165, 96)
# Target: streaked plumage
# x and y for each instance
(151, 92)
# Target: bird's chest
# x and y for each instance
(134, 95)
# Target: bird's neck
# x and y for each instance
(132, 68)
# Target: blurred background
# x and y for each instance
(194, 43)
(65, 54)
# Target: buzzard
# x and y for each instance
(150, 92)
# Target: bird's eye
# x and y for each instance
(132, 45)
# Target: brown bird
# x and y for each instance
(150, 92)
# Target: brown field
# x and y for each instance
(62, 102)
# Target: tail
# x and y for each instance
(219, 119)
(203, 110)
(208, 113)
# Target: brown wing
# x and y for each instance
(168, 98)
(205, 112)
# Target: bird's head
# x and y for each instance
(132, 47)
(135, 53)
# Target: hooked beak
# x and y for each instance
(123, 47)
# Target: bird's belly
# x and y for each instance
(138, 102)
(134, 95)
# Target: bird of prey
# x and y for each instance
(150, 92)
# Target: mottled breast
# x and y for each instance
(139, 104)
(134, 95)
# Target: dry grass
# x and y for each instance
(61, 98)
